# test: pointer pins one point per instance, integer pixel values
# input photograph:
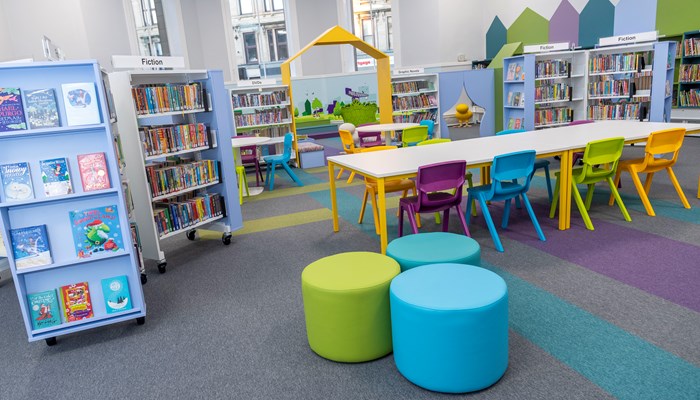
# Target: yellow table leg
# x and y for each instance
(381, 197)
(485, 175)
(334, 201)
(565, 191)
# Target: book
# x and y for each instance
(80, 101)
(44, 309)
(517, 124)
(93, 171)
(116, 294)
(76, 301)
(511, 123)
(41, 108)
(55, 177)
(11, 110)
(30, 246)
(96, 231)
(16, 181)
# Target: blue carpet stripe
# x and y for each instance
(622, 364)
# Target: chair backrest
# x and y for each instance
(440, 177)
(248, 153)
(368, 139)
(346, 126)
(287, 154)
(434, 141)
(509, 131)
(347, 141)
(413, 135)
(430, 124)
(600, 159)
(667, 141)
(581, 122)
(507, 167)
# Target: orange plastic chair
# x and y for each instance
(390, 186)
(660, 144)
(698, 188)
(349, 147)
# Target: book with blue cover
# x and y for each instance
(11, 110)
(16, 182)
(44, 309)
(41, 108)
(116, 294)
(56, 177)
(30, 246)
(96, 231)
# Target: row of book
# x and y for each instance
(689, 73)
(415, 117)
(255, 99)
(516, 123)
(55, 177)
(161, 140)
(553, 92)
(74, 302)
(549, 116)
(609, 87)
(620, 111)
(267, 131)
(691, 47)
(515, 99)
(619, 62)
(187, 211)
(515, 72)
(419, 101)
(180, 174)
(260, 117)
(552, 68)
(411, 86)
(161, 98)
(39, 109)
(689, 98)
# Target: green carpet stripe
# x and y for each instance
(271, 223)
(622, 364)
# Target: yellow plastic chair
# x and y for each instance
(242, 179)
(414, 135)
(349, 148)
(660, 144)
(698, 188)
(600, 160)
(390, 186)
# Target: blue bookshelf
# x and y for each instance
(66, 268)
(518, 80)
(662, 81)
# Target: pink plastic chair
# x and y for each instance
(435, 184)
(579, 154)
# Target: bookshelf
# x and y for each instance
(415, 98)
(519, 92)
(176, 128)
(73, 260)
(560, 88)
(689, 72)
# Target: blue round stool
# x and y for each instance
(450, 327)
(434, 248)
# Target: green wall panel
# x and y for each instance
(495, 37)
(673, 17)
(529, 28)
(596, 21)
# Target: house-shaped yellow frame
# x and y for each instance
(335, 36)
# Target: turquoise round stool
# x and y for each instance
(450, 327)
(434, 248)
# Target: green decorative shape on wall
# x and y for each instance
(529, 28)
(597, 20)
(508, 50)
(673, 17)
(496, 37)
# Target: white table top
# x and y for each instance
(406, 160)
(385, 127)
(248, 141)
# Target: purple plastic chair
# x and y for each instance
(579, 154)
(370, 139)
(249, 155)
(433, 183)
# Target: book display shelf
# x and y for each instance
(62, 213)
(560, 87)
(689, 72)
(519, 92)
(175, 131)
(415, 98)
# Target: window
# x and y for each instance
(274, 5)
(147, 29)
(251, 48)
(277, 40)
(390, 35)
(372, 22)
(367, 31)
(245, 7)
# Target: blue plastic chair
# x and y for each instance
(506, 170)
(431, 126)
(281, 159)
(539, 163)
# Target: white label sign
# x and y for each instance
(408, 71)
(257, 82)
(131, 62)
(540, 48)
(627, 39)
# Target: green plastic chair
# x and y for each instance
(434, 141)
(600, 161)
(414, 135)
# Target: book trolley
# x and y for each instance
(65, 268)
(175, 130)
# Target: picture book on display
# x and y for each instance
(80, 101)
(16, 182)
(41, 108)
(56, 177)
(30, 246)
(116, 293)
(93, 171)
(76, 301)
(44, 309)
(96, 231)
(11, 111)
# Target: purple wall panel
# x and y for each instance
(563, 27)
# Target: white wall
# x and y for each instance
(6, 52)
(310, 18)
(106, 29)
(509, 10)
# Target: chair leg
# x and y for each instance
(245, 181)
(647, 182)
(259, 171)
(581, 206)
(240, 186)
(339, 173)
(506, 214)
(540, 234)
(470, 184)
(364, 205)
(678, 187)
(351, 177)
(375, 211)
(462, 220)
(271, 175)
(549, 182)
(401, 210)
(620, 204)
(589, 196)
(642, 194)
(616, 181)
(517, 198)
(555, 200)
(413, 191)
(445, 220)
(471, 208)
(291, 174)
(698, 187)
(490, 225)
(412, 219)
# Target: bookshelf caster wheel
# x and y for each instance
(51, 341)
(140, 320)
(161, 267)
(191, 233)
(226, 239)
(144, 279)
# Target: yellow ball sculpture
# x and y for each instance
(463, 114)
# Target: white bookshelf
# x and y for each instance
(573, 77)
(415, 97)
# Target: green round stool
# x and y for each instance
(346, 303)
(434, 248)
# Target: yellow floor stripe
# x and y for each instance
(292, 191)
(271, 223)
